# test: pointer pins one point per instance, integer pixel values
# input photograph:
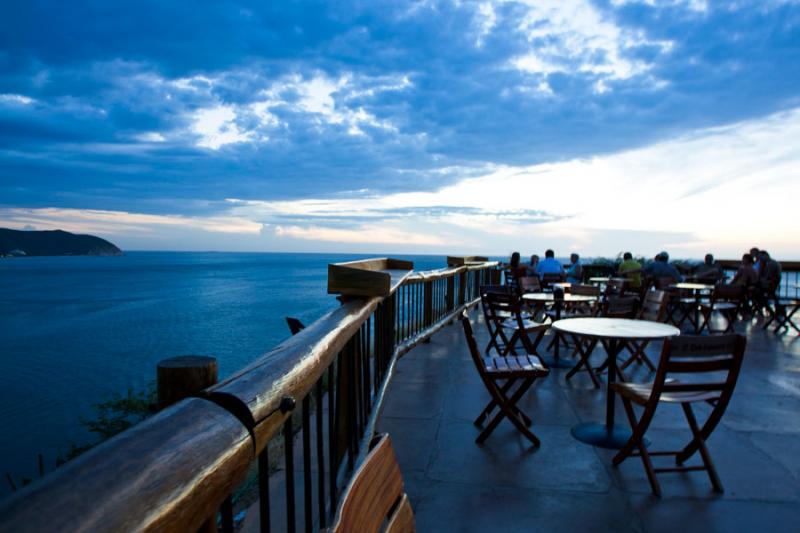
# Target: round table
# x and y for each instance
(612, 332)
(697, 290)
(547, 297)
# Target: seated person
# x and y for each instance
(550, 265)
(769, 277)
(709, 270)
(514, 268)
(746, 275)
(575, 270)
(631, 269)
(531, 268)
(660, 268)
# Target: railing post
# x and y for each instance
(427, 314)
(184, 376)
(462, 287)
(450, 297)
(495, 276)
(178, 378)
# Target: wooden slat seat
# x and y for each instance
(374, 500)
(639, 393)
(527, 324)
(513, 365)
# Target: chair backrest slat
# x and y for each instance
(654, 306)
(585, 290)
(402, 519)
(529, 284)
(375, 494)
(619, 307)
(714, 360)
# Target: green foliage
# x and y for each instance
(121, 412)
(114, 415)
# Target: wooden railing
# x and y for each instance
(177, 470)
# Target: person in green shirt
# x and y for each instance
(629, 264)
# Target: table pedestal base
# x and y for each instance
(598, 434)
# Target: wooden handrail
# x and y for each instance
(172, 471)
(289, 370)
(168, 473)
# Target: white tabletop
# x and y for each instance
(548, 297)
(617, 328)
(693, 286)
(600, 279)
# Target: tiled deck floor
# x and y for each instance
(565, 485)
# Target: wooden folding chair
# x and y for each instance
(550, 278)
(615, 288)
(654, 307)
(679, 306)
(613, 307)
(529, 284)
(785, 309)
(727, 300)
(712, 364)
(505, 310)
(500, 376)
(494, 318)
(374, 500)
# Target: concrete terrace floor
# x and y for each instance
(565, 485)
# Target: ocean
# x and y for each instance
(76, 330)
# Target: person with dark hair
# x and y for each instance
(631, 269)
(660, 268)
(575, 269)
(746, 275)
(769, 276)
(531, 268)
(550, 265)
(514, 269)
(709, 270)
(755, 255)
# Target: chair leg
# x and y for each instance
(584, 354)
(506, 405)
(492, 404)
(639, 356)
(701, 444)
(639, 428)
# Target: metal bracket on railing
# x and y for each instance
(287, 404)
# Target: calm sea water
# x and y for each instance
(75, 330)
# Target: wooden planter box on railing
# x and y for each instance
(368, 277)
(173, 471)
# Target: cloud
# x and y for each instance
(117, 109)
(375, 235)
(120, 222)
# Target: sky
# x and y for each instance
(593, 126)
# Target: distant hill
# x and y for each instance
(56, 242)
